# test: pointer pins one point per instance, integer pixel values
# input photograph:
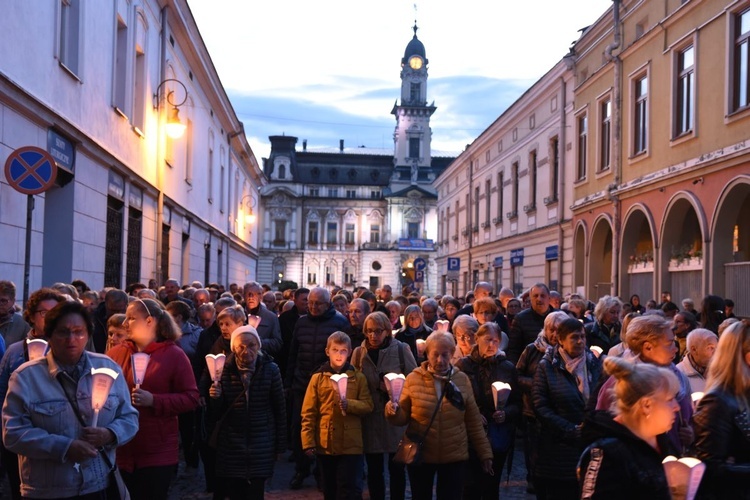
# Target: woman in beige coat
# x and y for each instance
(378, 355)
(446, 445)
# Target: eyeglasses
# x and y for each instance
(374, 332)
(63, 333)
(465, 338)
(42, 312)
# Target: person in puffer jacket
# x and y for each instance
(332, 425)
(445, 449)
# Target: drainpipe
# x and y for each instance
(616, 146)
(159, 166)
(469, 222)
(562, 167)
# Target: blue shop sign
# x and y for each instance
(551, 253)
(62, 150)
(516, 257)
(498, 262)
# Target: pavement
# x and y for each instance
(190, 484)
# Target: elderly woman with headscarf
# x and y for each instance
(564, 379)
(464, 330)
(249, 418)
(486, 365)
(437, 388)
(414, 329)
(379, 355)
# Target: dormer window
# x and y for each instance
(282, 171)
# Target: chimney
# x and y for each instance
(341, 145)
(304, 145)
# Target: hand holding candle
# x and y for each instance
(37, 348)
(394, 384)
(215, 363)
(500, 394)
(340, 382)
(103, 378)
(140, 363)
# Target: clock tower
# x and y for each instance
(412, 156)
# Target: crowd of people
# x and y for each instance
(598, 393)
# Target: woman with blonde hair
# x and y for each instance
(168, 388)
(625, 459)
(651, 340)
(722, 425)
(378, 355)
(414, 329)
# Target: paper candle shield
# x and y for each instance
(253, 320)
(500, 394)
(102, 380)
(696, 397)
(215, 364)
(394, 383)
(420, 347)
(36, 348)
(340, 382)
(140, 363)
(597, 351)
(441, 325)
(683, 476)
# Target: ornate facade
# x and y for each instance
(357, 216)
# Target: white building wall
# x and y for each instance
(34, 97)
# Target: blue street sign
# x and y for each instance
(420, 264)
(454, 263)
(419, 276)
(30, 170)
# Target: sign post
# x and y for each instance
(30, 170)
(454, 266)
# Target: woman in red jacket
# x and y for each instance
(149, 461)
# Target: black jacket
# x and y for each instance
(403, 335)
(599, 335)
(287, 321)
(482, 373)
(308, 349)
(254, 430)
(560, 408)
(618, 465)
(526, 367)
(722, 441)
(526, 326)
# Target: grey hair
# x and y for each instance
(605, 304)
(465, 323)
(699, 336)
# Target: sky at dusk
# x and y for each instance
(329, 70)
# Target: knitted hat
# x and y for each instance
(244, 329)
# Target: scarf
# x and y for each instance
(700, 369)
(577, 368)
(541, 342)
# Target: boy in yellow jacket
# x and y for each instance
(332, 425)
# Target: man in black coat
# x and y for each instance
(528, 323)
(306, 353)
(287, 321)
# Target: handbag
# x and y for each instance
(214, 437)
(409, 451)
(116, 488)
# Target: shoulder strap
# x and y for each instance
(358, 361)
(401, 357)
(434, 414)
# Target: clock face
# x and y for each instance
(415, 62)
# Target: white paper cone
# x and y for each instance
(215, 364)
(102, 380)
(140, 363)
(420, 347)
(500, 394)
(394, 383)
(253, 320)
(37, 348)
(340, 382)
(597, 351)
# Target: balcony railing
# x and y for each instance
(375, 246)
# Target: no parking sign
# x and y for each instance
(30, 170)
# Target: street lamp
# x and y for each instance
(250, 216)
(174, 127)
